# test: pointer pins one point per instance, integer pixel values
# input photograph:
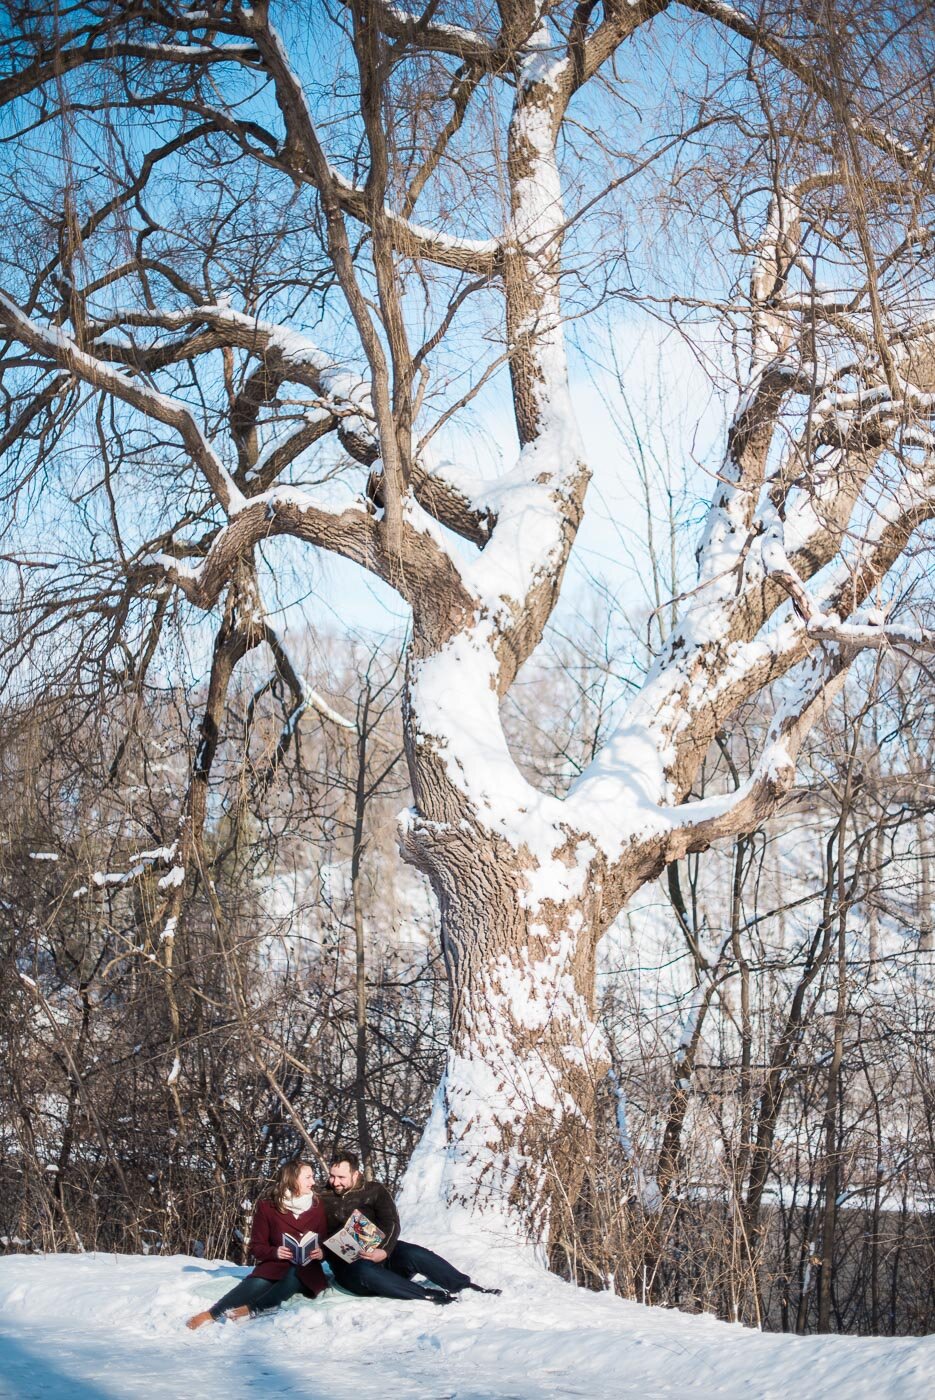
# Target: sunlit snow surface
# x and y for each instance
(96, 1327)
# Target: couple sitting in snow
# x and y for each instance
(292, 1207)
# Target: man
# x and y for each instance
(386, 1272)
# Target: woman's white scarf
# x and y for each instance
(297, 1205)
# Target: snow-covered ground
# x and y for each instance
(96, 1327)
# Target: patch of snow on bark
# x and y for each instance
(454, 701)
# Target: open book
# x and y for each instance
(356, 1235)
(302, 1248)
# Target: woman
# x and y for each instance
(290, 1208)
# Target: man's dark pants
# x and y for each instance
(394, 1278)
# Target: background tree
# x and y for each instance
(193, 194)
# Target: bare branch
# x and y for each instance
(804, 69)
(63, 351)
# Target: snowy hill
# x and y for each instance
(104, 1327)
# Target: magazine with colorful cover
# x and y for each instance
(301, 1249)
(356, 1236)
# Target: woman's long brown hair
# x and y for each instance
(286, 1182)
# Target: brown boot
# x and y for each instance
(240, 1314)
(198, 1320)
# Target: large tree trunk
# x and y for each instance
(525, 1053)
(520, 919)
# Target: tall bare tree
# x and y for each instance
(196, 189)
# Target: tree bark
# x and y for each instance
(360, 947)
(525, 1054)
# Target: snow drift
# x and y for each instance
(103, 1327)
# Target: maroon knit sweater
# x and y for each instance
(269, 1226)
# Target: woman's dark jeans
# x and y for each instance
(259, 1294)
